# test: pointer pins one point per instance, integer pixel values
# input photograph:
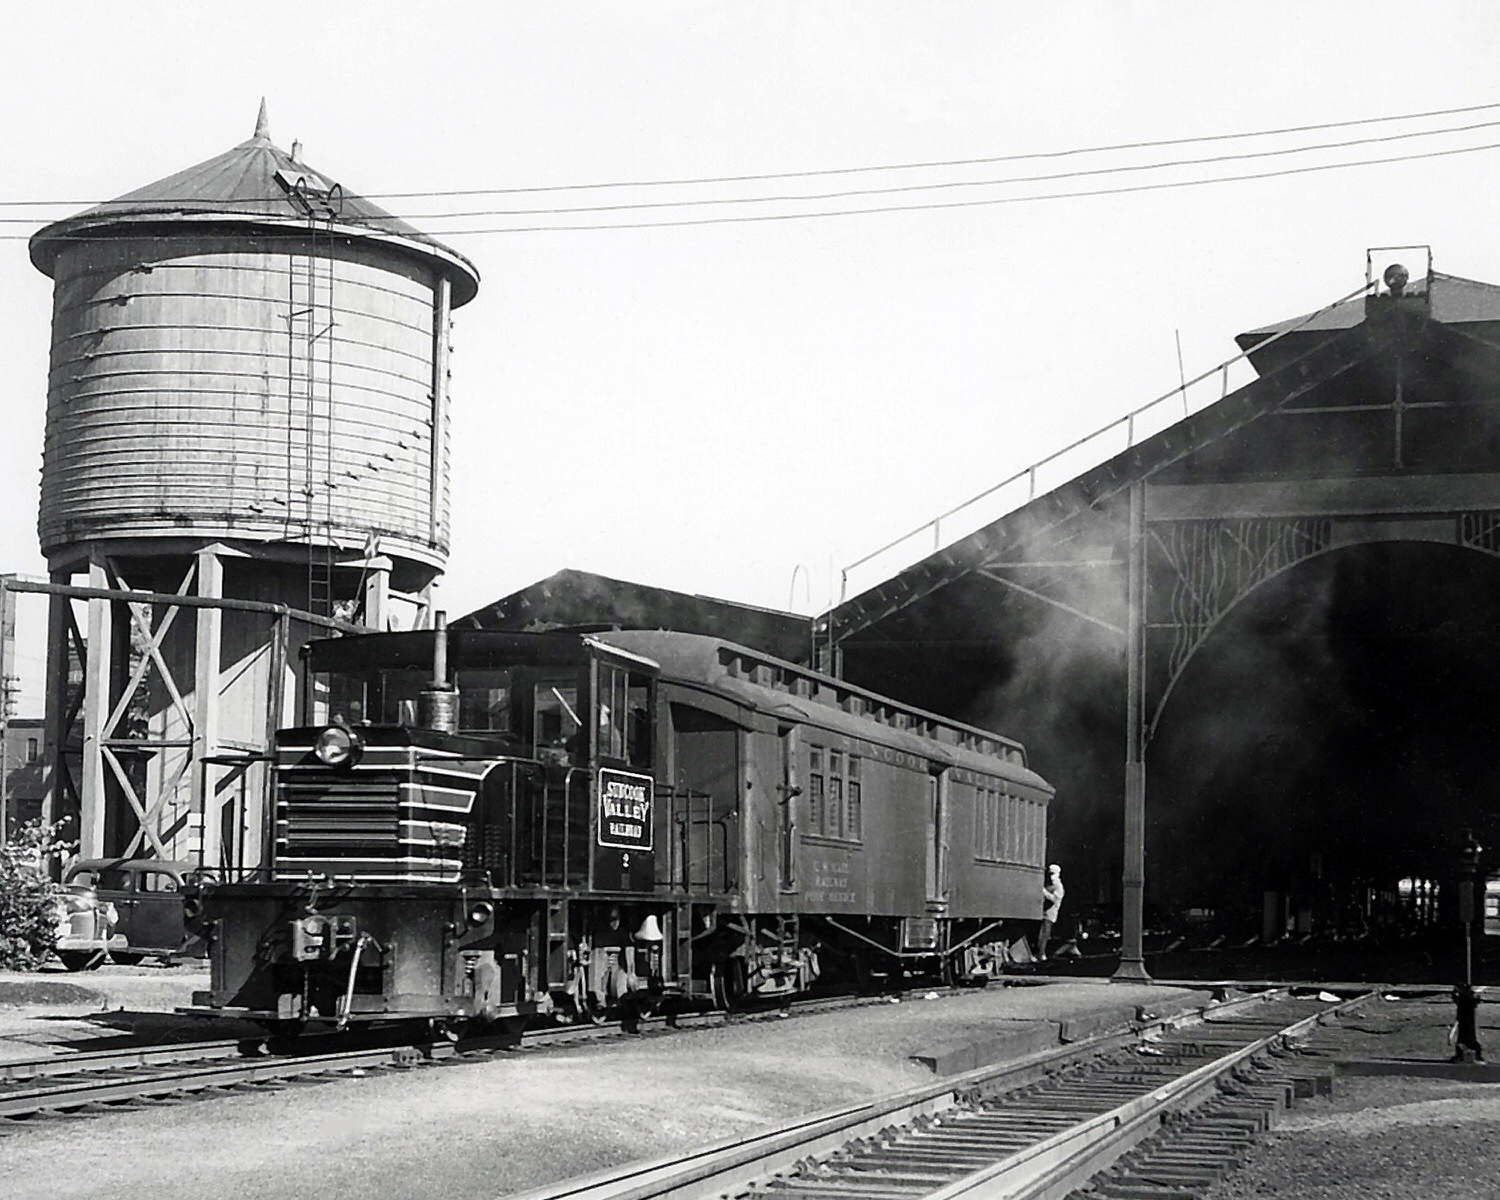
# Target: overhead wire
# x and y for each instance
(935, 205)
(1024, 156)
(897, 189)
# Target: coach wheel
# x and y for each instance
(864, 975)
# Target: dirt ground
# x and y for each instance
(492, 1128)
(53, 1009)
(1379, 1138)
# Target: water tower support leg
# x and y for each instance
(378, 594)
(97, 677)
(56, 796)
(206, 656)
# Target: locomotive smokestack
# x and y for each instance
(440, 650)
(439, 702)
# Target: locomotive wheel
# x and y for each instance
(80, 960)
(726, 983)
(587, 1009)
(285, 1029)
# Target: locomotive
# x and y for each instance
(481, 825)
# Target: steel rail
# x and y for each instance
(87, 1093)
(1087, 1143)
(1065, 1161)
(120, 1058)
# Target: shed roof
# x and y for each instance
(1450, 300)
(581, 600)
(255, 180)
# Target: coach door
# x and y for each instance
(708, 781)
(786, 812)
(937, 838)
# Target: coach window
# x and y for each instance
(834, 811)
(853, 818)
(815, 791)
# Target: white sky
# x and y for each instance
(707, 408)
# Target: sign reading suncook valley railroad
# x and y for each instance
(625, 809)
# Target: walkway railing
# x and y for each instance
(1089, 451)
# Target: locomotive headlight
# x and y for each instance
(481, 913)
(337, 747)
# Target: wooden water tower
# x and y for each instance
(247, 406)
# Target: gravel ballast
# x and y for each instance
(1388, 1135)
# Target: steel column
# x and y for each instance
(1132, 957)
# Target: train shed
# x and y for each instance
(583, 601)
(1279, 611)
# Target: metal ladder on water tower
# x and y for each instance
(310, 325)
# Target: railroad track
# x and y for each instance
(94, 1081)
(1180, 1098)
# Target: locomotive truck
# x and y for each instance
(481, 825)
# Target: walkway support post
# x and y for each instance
(1133, 876)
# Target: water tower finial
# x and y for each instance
(262, 123)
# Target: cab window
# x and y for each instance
(555, 717)
(380, 697)
(623, 705)
(484, 702)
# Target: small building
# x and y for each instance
(23, 779)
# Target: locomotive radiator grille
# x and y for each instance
(390, 820)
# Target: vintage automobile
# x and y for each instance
(130, 907)
(84, 924)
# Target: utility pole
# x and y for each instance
(8, 690)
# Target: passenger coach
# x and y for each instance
(473, 824)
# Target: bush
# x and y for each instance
(28, 897)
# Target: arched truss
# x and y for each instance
(1215, 564)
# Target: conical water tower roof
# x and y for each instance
(260, 184)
